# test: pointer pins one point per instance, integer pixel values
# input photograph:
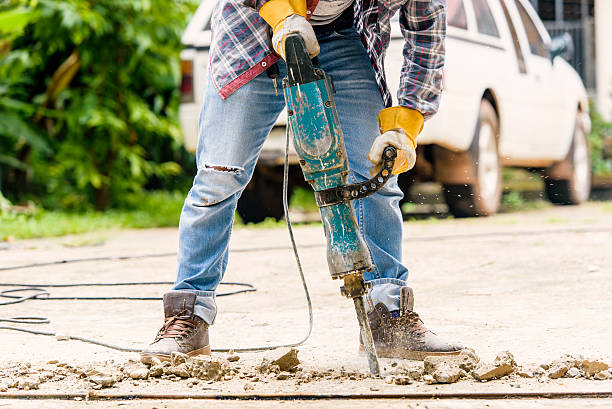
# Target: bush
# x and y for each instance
(600, 144)
(89, 99)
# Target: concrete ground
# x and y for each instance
(535, 283)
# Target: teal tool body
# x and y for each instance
(317, 137)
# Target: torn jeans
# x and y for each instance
(231, 134)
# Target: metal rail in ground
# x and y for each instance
(101, 396)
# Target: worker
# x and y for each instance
(240, 107)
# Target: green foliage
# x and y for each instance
(303, 199)
(89, 99)
(512, 201)
(154, 209)
(600, 144)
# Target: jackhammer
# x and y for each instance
(315, 128)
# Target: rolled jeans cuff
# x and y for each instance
(386, 291)
(205, 306)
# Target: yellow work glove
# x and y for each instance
(289, 17)
(399, 127)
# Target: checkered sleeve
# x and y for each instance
(423, 23)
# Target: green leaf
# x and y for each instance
(13, 21)
(14, 127)
(12, 162)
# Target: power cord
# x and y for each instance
(39, 291)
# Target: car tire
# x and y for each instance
(262, 198)
(568, 182)
(482, 197)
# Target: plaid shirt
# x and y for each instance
(240, 49)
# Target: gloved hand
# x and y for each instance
(399, 127)
(289, 17)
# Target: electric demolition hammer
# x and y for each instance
(318, 140)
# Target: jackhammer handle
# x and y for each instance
(300, 68)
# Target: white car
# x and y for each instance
(509, 99)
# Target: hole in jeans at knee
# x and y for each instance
(223, 169)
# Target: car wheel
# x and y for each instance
(482, 197)
(568, 182)
(262, 198)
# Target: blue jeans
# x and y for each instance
(231, 134)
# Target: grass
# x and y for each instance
(303, 199)
(155, 209)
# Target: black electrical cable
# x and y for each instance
(38, 291)
(44, 295)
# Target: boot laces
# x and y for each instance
(413, 322)
(176, 327)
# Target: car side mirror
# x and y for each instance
(562, 46)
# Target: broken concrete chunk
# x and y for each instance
(573, 373)
(181, 370)
(505, 358)
(208, 367)
(264, 366)
(156, 370)
(466, 360)
(178, 358)
(233, 358)
(402, 380)
(449, 369)
(447, 373)
(137, 371)
(603, 375)
(431, 363)
(525, 373)
(429, 379)
(103, 381)
(282, 376)
(558, 370)
(28, 384)
(591, 368)
(486, 372)
(288, 360)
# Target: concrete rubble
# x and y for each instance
(198, 372)
(592, 368)
(449, 369)
(288, 360)
(503, 365)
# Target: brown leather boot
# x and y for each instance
(403, 335)
(182, 330)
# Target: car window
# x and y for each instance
(455, 14)
(536, 43)
(515, 40)
(484, 18)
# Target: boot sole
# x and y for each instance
(148, 358)
(400, 353)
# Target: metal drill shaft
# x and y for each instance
(366, 336)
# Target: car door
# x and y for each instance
(519, 111)
(547, 91)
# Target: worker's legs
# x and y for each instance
(231, 134)
(358, 101)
